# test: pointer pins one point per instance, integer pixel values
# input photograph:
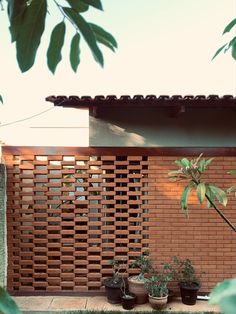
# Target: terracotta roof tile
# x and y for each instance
(140, 100)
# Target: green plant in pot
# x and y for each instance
(184, 272)
(157, 289)
(137, 283)
(114, 284)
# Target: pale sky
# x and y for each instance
(165, 47)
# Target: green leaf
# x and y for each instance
(229, 26)
(210, 195)
(175, 173)
(201, 191)
(1, 99)
(208, 161)
(184, 199)
(103, 36)
(75, 52)
(204, 163)
(87, 33)
(178, 163)
(14, 8)
(7, 304)
(30, 32)
(185, 163)
(94, 3)
(219, 194)
(55, 46)
(218, 51)
(224, 294)
(78, 6)
(15, 11)
(233, 49)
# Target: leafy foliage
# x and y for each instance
(231, 44)
(143, 263)
(7, 304)
(156, 285)
(183, 271)
(27, 23)
(86, 32)
(224, 295)
(191, 171)
(117, 265)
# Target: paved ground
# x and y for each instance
(55, 304)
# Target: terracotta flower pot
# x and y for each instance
(158, 303)
(137, 287)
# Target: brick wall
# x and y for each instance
(46, 252)
(203, 237)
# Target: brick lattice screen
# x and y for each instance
(71, 210)
(69, 215)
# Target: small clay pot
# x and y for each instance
(158, 303)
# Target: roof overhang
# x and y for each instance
(176, 103)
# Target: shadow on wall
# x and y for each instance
(113, 135)
(155, 127)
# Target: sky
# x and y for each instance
(164, 47)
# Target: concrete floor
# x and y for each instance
(52, 304)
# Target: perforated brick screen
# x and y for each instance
(69, 215)
(71, 210)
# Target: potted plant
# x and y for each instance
(137, 283)
(157, 289)
(128, 299)
(189, 284)
(113, 284)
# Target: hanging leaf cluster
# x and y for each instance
(192, 171)
(229, 45)
(27, 24)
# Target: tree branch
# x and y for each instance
(221, 214)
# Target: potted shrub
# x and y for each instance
(113, 284)
(157, 289)
(189, 284)
(137, 283)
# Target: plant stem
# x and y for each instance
(221, 214)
